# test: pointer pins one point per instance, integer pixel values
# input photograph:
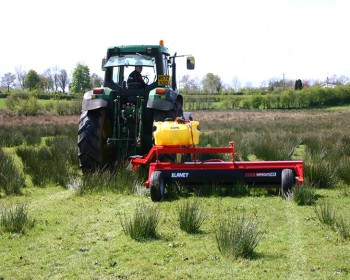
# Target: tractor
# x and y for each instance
(117, 118)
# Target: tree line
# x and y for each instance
(57, 80)
(52, 80)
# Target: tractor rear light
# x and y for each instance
(160, 91)
(97, 91)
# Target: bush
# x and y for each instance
(16, 219)
(143, 225)
(237, 237)
(23, 104)
(63, 107)
(191, 217)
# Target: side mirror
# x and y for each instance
(190, 62)
(103, 64)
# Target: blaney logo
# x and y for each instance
(179, 175)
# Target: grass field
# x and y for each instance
(3, 104)
(79, 235)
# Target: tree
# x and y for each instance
(96, 80)
(55, 71)
(46, 80)
(236, 83)
(212, 83)
(8, 80)
(298, 85)
(21, 76)
(63, 80)
(188, 85)
(81, 80)
(342, 80)
(32, 80)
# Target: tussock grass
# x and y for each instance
(119, 180)
(343, 227)
(237, 237)
(304, 195)
(267, 135)
(15, 219)
(143, 224)
(326, 213)
(191, 216)
(12, 179)
(46, 164)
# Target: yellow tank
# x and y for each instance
(173, 133)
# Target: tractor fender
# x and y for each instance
(163, 102)
(90, 103)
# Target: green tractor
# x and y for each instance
(117, 119)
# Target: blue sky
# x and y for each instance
(254, 41)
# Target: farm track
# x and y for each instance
(58, 196)
(297, 256)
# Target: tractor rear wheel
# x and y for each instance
(94, 130)
(157, 186)
(287, 182)
(160, 116)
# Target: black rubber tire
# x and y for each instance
(94, 129)
(287, 182)
(157, 186)
(160, 116)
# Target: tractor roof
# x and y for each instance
(137, 48)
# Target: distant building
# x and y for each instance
(328, 85)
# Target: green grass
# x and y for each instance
(15, 219)
(80, 237)
(336, 108)
(78, 233)
(3, 104)
(60, 107)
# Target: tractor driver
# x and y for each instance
(135, 79)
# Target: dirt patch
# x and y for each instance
(242, 115)
(7, 118)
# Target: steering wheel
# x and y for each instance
(145, 78)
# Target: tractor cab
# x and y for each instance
(123, 65)
(159, 68)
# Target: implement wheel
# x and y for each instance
(94, 130)
(157, 186)
(287, 182)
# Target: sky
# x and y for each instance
(252, 41)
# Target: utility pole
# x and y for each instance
(284, 83)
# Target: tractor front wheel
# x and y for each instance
(94, 130)
(157, 186)
(287, 182)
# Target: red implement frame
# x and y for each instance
(250, 171)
